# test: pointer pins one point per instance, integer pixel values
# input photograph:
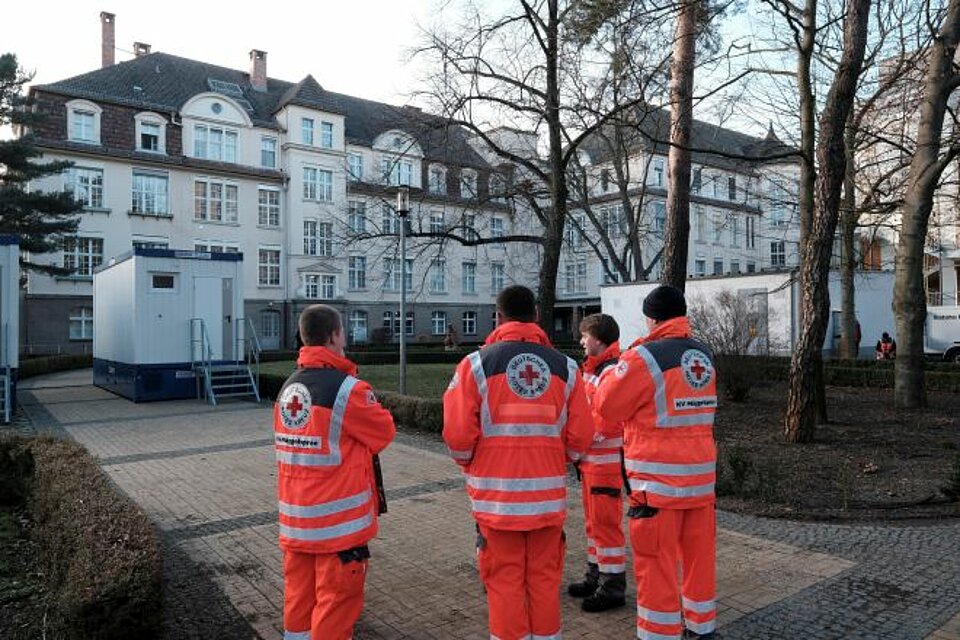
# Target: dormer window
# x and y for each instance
(83, 124)
(438, 179)
(468, 184)
(151, 134)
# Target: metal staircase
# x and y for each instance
(6, 401)
(226, 379)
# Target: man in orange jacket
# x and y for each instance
(327, 427)
(514, 413)
(604, 583)
(664, 389)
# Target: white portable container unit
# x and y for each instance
(941, 336)
(775, 298)
(162, 313)
(9, 323)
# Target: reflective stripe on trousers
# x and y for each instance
(669, 491)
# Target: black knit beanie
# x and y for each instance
(664, 302)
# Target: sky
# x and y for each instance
(356, 47)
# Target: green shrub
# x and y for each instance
(411, 411)
(100, 554)
(735, 377)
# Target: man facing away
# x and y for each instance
(604, 583)
(664, 390)
(514, 414)
(327, 427)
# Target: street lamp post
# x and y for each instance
(403, 209)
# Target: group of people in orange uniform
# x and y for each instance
(516, 413)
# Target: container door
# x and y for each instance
(208, 305)
(229, 339)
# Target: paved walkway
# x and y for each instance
(206, 477)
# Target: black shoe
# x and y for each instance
(610, 594)
(589, 584)
(690, 635)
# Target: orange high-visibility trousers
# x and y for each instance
(675, 537)
(323, 596)
(603, 517)
(521, 571)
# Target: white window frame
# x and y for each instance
(81, 317)
(437, 282)
(700, 267)
(77, 132)
(438, 221)
(397, 171)
(468, 323)
(306, 131)
(778, 253)
(146, 200)
(208, 208)
(357, 323)
(357, 216)
(357, 273)
(204, 148)
(82, 254)
(268, 148)
(498, 277)
(468, 277)
(154, 120)
(268, 213)
(391, 275)
(86, 185)
(389, 220)
(437, 180)
(268, 266)
(438, 323)
(326, 134)
(354, 167)
(718, 261)
(497, 228)
(658, 171)
(468, 184)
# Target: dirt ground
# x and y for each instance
(871, 462)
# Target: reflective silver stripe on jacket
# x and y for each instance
(572, 372)
(620, 567)
(609, 458)
(669, 491)
(461, 454)
(315, 534)
(517, 484)
(519, 508)
(658, 617)
(476, 365)
(670, 469)
(612, 551)
(700, 606)
(521, 430)
(325, 508)
(664, 419)
(332, 458)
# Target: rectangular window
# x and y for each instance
(697, 180)
(438, 276)
(468, 184)
(575, 277)
(357, 326)
(213, 143)
(701, 225)
(735, 267)
(328, 287)
(309, 183)
(496, 227)
(397, 171)
(437, 223)
(734, 230)
(149, 194)
(306, 131)
(717, 229)
(659, 217)
(310, 242)
(732, 188)
(81, 323)
(324, 185)
(613, 221)
(391, 274)
(268, 207)
(574, 231)
(751, 232)
(357, 216)
(357, 272)
(718, 266)
(311, 286)
(150, 243)
(608, 275)
(469, 323)
(438, 180)
(778, 254)
(496, 277)
(469, 277)
(390, 221)
(82, 255)
(604, 179)
(149, 136)
(438, 323)
(268, 267)
(214, 201)
(470, 226)
(268, 152)
(86, 185)
(657, 171)
(700, 268)
(354, 167)
(751, 267)
(83, 126)
(162, 281)
(321, 287)
(326, 135)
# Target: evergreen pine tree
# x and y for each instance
(41, 220)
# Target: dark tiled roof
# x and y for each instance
(710, 144)
(164, 82)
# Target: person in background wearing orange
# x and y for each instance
(604, 584)
(328, 426)
(664, 390)
(513, 415)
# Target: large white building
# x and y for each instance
(175, 153)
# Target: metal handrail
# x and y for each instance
(206, 354)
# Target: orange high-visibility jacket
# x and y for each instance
(665, 391)
(327, 426)
(604, 454)
(514, 413)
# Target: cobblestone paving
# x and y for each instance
(205, 476)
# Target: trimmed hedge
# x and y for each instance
(100, 553)
(51, 364)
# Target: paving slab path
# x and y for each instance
(205, 475)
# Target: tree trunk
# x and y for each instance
(800, 420)
(553, 239)
(677, 232)
(850, 342)
(808, 127)
(909, 297)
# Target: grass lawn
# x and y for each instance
(424, 380)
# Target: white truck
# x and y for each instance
(941, 336)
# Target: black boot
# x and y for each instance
(691, 635)
(609, 594)
(589, 584)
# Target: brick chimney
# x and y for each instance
(108, 38)
(258, 69)
(141, 49)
